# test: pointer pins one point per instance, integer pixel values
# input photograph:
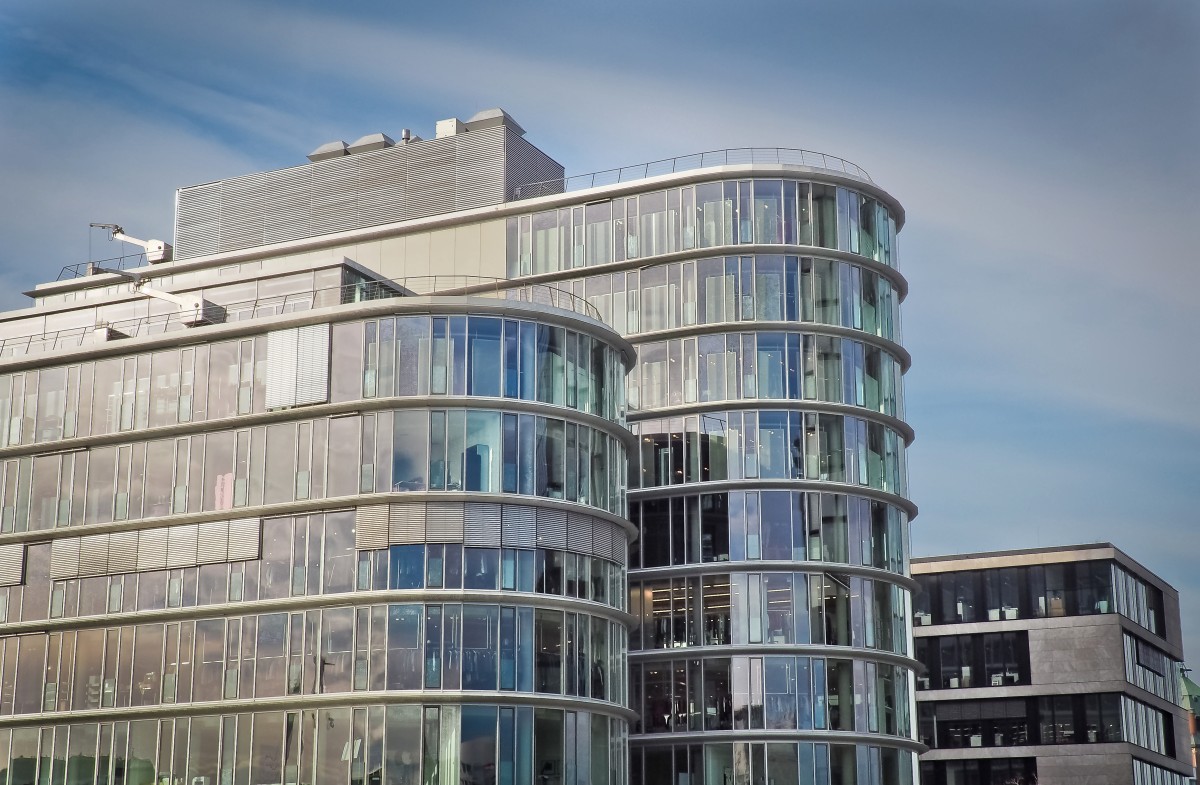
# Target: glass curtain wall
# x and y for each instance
(747, 511)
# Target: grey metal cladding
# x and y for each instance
(479, 178)
(64, 558)
(245, 539)
(482, 528)
(579, 533)
(520, 526)
(371, 188)
(371, 527)
(212, 542)
(12, 563)
(551, 528)
(406, 524)
(444, 521)
(525, 163)
(94, 552)
(198, 219)
(122, 552)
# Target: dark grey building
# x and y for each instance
(344, 492)
(1054, 665)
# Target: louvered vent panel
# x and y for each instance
(93, 555)
(152, 549)
(551, 528)
(285, 214)
(12, 564)
(64, 558)
(479, 173)
(334, 201)
(371, 527)
(579, 533)
(406, 524)
(382, 184)
(520, 526)
(198, 220)
(444, 521)
(430, 178)
(281, 368)
(358, 190)
(482, 526)
(312, 364)
(122, 552)
(245, 539)
(212, 542)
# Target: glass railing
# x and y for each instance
(730, 157)
(431, 285)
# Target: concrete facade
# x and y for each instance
(1084, 647)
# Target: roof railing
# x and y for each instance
(728, 157)
(430, 285)
(123, 262)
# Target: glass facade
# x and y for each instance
(1080, 588)
(769, 485)
(387, 549)
(1047, 719)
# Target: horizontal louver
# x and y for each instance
(12, 564)
(406, 524)
(444, 521)
(371, 527)
(552, 529)
(363, 189)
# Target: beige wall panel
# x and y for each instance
(466, 249)
(391, 257)
(441, 253)
(367, 254)
(491, 249)
(416, 256)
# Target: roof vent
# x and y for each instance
(371, 142)
(490, 118)
(450, 127)
(328, 150)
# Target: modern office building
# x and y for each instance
(336, 493)
(1053, 666)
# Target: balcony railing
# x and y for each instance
(732, 156)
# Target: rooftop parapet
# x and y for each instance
(368, 183)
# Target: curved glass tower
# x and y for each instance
(352, 486)
(770, 578)
(357, 538)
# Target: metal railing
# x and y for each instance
(430, 285)
(123, 262)
(732, 156)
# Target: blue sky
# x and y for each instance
(1045, 153)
